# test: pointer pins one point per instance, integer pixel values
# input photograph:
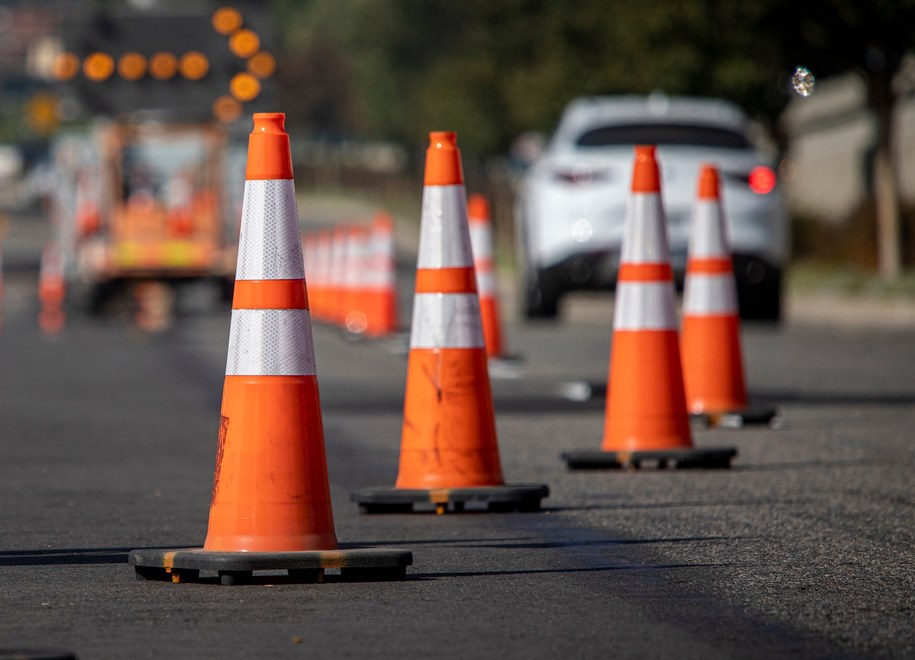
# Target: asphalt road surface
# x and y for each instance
(803, 549)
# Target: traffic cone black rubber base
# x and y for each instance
(229, 568)
(633, 460)
(735, 419)
(518, 497)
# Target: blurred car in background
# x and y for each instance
(571, 206)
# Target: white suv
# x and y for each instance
(571, 204)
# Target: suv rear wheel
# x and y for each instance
(541, 296)
(759, 289)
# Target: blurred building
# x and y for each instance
(831, 134)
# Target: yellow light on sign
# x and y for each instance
(98, 67)
(66, 65)
(41, 113)
(226, 20)
(226, 109)
(262, 65)
(244, 86)
(163, 66)
(132, 66)
(244, 43)
(193, 65)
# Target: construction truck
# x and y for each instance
(164, 89)
(161, 213)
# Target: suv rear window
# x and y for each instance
(666, 134)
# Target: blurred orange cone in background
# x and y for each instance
(88, 218)
(712, 358)
(51, 290)
(271, 506)
(646, 416)
(308, 260)
(355, 319)
(321, 273)
(381, 285)
(336, 289)
(481, 240)
(449, 452)
(312, 245)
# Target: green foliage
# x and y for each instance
(493, 69)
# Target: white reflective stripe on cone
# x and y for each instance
(269, 247)
(325, 261)
(708, 233)
(644, 306)
(352, 274)
(316, 271)
(444, 241)
(486, 283)
(270, 342)
(481, 241)
(645, 233)
(446, 320)
(307, 255)
(337, 261)
(380, 273)
(379, 276)
(709, 294)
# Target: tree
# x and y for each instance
(872, 38)
(492, 70)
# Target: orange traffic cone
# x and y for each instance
(448, 449)
(311, 258)
(88, 219)
(320, 273)
(712, 359)
(336, 288)
(646, 407)
(355, 319)
(381, 288)
(481, 240)
(271, 505)
(51, 290)
(308, 261)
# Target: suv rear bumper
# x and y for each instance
(758, 280)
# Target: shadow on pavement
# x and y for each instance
(765, 467)
(543, 571)
(657, 505)
(65, 556)
(531, 544)
(833, 398)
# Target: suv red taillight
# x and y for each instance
(762, 180)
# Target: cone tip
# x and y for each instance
(443, 160)
(708, 182)
(645, 175)
(269, 156)
(383, 220)
(269, 122)
(478, 209)
(442, 139)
